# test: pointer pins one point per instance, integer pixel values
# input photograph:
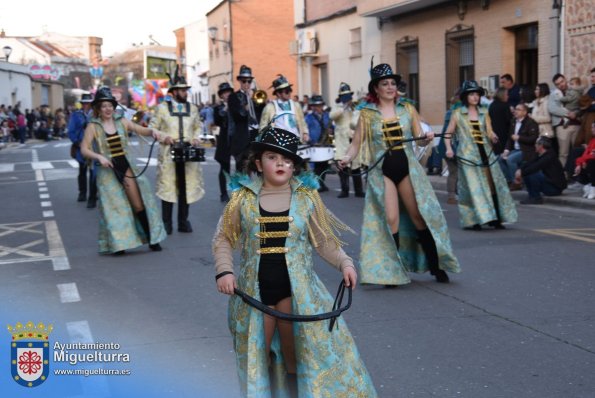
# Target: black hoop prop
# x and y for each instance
(332, 315)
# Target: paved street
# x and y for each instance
(518, 322)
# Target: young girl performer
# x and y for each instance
(276, 218)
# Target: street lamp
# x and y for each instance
(7, 51)
(213, 36)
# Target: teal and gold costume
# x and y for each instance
(476, 204)
(328, 363)
(380, 262)
(119, 229)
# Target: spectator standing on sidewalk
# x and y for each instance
(540, 112)
(513, 90)
(565, 132)
(76, 132)
(501, 118)
(544, 174)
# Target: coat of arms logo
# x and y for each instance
(29, 348)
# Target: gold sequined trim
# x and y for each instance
(276, 219)
(273, 234)
(229, 228)
(272, 250)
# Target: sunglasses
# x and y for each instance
(284, 91)
(246, 80)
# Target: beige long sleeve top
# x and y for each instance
(276, 200)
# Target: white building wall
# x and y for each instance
(197, 59)
(15, 85)
(23, 52)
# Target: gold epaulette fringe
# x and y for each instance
(366, 116)
(229, 229)
(326, 221)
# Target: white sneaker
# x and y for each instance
(586, 190)
(591, 193)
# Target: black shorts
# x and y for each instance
(395, 166)
(273, 279)
(120, 167)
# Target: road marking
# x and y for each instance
(38, 175)
(6, 167)
(73, 163)
(41, 184)
(143, 161)
(42, 165)
(44, 196)
(79, 332)
(69, 293)
(5, 250)
(39, 145)
(46, 204)
(48, 213)
(55, 246)
(582, 234)
(43, 189)
(62, 144)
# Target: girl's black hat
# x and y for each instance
(381, 72)
(104, 94)
(279, 141)
(471, 86)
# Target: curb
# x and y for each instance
(569, 198)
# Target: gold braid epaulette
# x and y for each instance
(366, 116)
(229, 229)
(325, 220)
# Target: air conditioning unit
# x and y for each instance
(307, 42)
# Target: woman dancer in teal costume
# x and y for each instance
(276, 218)
(128, 213)
(483, 192)
(401, 210)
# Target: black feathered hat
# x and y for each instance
(223, 87)
(245, 73)
(471, 86)
(177, 81)
(280, 83)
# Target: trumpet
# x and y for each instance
(259, 97)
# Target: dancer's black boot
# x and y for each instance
(497, 223)
(344, 179)
(167, 209)
(144, 221)
(426, 240)
(292, 384)
(357, 184)
(397, 242)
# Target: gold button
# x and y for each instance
(256, 220)
(286, 249)
(289, 234)
(257, 251)
(290, 218)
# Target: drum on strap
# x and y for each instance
(322, 153)
(304, 151)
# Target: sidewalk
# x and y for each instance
(570, 197)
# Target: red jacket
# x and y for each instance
(588, 154)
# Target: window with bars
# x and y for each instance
(408, 66)
(460, 58)
(355, 42)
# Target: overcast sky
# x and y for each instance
(119, 22)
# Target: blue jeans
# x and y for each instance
(512, 164)
(537, 184)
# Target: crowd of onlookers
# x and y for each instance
(40, 123)
(563, 113)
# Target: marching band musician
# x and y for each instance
(179, 120)
(321, 127)
(293, 116)
(345, 117)
(245, 119)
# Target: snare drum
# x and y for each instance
(304, 151)
(322, 153)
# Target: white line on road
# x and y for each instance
(46, 204)
(79, 332)
(43, 189)
(42, 184)
(44, 196)
(42, 165)
(68, 293)
(6, 167)
(73, 163)
(62, 144)
(48, 213)
(38, 175)
(39, 145)
(55, 246)
(143, 161)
